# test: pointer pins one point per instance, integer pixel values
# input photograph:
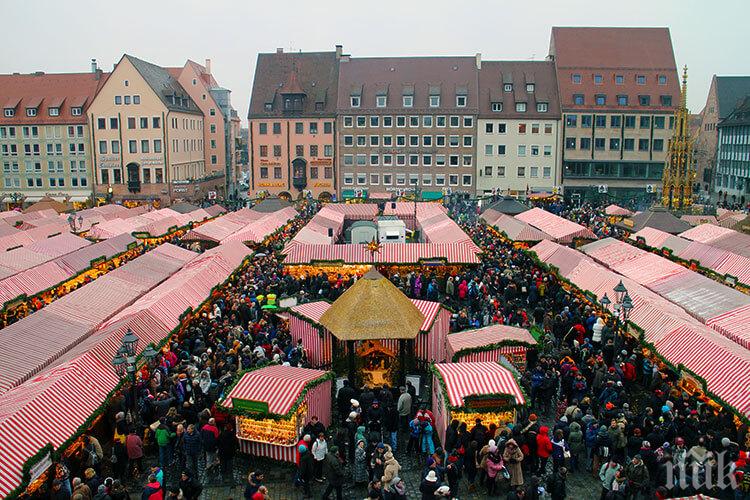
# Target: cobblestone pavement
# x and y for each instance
(279, 476)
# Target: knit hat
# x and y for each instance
(89, 473)
(443, 490)
(431, 477)
(533, 417)
(302, 448)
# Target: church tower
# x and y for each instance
(679, 171)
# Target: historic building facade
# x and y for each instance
(733, 156)
(44, 140)
(618, 90)
(407, 122)
(292, 120)
(518, 132)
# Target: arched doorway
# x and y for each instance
(134, 177)
(299, 173)
(284, 195)
(325, 197)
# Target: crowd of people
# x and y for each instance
(598, 405)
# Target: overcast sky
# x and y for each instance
(63, 35)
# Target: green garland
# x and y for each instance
(26, 470)
(329, 375)
(489, 347)
(444, 393)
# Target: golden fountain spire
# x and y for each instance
(679, 171)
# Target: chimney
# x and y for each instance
(339, 51)
(478, 58)
(208, 66)
(93, 66)
(280, 50)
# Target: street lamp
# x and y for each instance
(149, 353)
(76, 223)
(621, 310)
(124, 362)
(130, 342)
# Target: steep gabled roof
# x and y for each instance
(495, 74)
(164, 85)
(730, 91)
(656, 217)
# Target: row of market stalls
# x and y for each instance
(153, 227)
(33, 343)
(13, 237)
(537, 224)
(707, 300)
(712, 366)
(720, 237)
(57, 266)
(47, 413)
(720, 263)
(272, 404)
(245, 225)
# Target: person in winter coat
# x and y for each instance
(577, 446)
(392, 468)
(334, 471)
(360, 463)
(494, 466)
(429, 485)
(556, 484)
(227, 447)
(617, 438)
(191, 445)
(638, 476)
(319, 451)
(305, 471)
(397, 490)
(164, 439)
(560, 448)
(513, 458)
(191, 489)
(79, 488)
(543, 449)
(152, 490)
(427, 445)
(607, 475)
(134, 448)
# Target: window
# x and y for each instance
(440, 141)
(521, 128)
(374, 140)
(645, 122)
(349, 179)
(508, 87)
(571, 120)
(354, 101)
(453, 179)
(133, 146)
(361, 160)
(328, 150)
(400, 121)
(277, 172)
(400, 160)
(145, 145)
(576, 78)
(600, 120)
(520, 107)
(414, 121)
(276, 128)
(658, 145)
(453, 160)
(521, 150)
(547, 150)
(466, 179)
(622, 100)
(381, 101)
(628, 144)
(156, 123)
(468, 141)
(599, 143)
(619, 79)
(489, 149)
(102, 147)
(547, 172)
(118, 100)
(327, 127)
(598, 79)
(348, 160)
(614, 144)
(534, 150)
(570, 143)
(521, 171)
(144, 122)
(489, 127)
(659, 122)
(662, 79)
(54, 111)
(136, 99)
(299, 150)
(313, 127)
(585, 143)
(30, 111)
(299, 128)
(530, 87)
(413, 160)
(374, 179)
(361, 140)
(454, 121)
(578, 99)
(127, 99)
(400, 140)
(262, 128)
(497, 107)
(276, 150)
(643, 144)
(348, 121)
(113, 123)
(640, 79)
(453, 141)
(630, 121)
(388, 140)
(542, 107)
(468, 121)
(427, 121)
(644, 100)
(585, 121)
(615, 121)
(671, 122)
(314, 150)
(601, 99)
(407, 101)
(374, 160)
(157, 145)
(666, 100)
(440, 121)
(501, 149)
(387, 121)
(374, 121)
(434, 101)
(413, 179)
(534, 172)
(427, 160)
(387, 160)
(427, 140)
(101, 124)
(461, 101)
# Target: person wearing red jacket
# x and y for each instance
(543, 448)
(628, 371)
(153, 490)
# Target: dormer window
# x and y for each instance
(497, 107)
(434, 101)
(30, 111)
(520, 107)
(508, 87)
(354, 101)
(54, 111)
(381, 101)
(461, 101)
(408, 101)
(10, 112)
(530, 88)
(268, 106)
(542, 107)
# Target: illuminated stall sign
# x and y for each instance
(250, 406)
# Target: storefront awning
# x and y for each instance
(348, 194)
(432, 195)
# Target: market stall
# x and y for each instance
(489, 343)
(271, 406)
(468, 391)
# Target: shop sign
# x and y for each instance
(111, 161)
(212, 195)
(489, 403)
(250, 406)
(271, 184)
(180, 189)
(322, 184)
(156, 160)
(321, 162)
(42, 465)
(270, 163)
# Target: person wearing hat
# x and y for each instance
(638, 476)
(429, 485)
(359, 473)
(154, 491)
(92, 479)
(191, 489)
(306, 469)
(57, 492)
(397, 490)
(556, 484)
(443, 492)
(391, 469)
(335, 473)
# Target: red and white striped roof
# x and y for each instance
(397, 253)
(720, 237)
(279, 386)
(493, 334)
(355, 211)
(696, 220)
(562, 230)
(617, 210)
(476, 379)
(257, 230)
(314, 311)
(516, 229)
